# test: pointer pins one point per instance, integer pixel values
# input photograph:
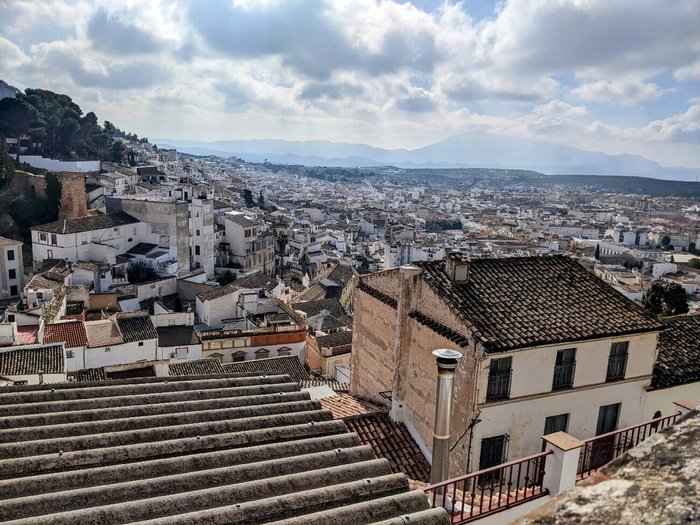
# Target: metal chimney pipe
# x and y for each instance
(446, 364)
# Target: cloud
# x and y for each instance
(596, 35)
(420, 101)
(625, 92)
(110, 34)
(311, 38)
(62, 58)
(330, 90)
(688, 73)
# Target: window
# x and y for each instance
(181, 352)
(564, 369)
(238, 356)
(198, 232)
(12, 274)
(69, 353)
(196, 250)
(140, 343)
(108, 349)
(54, 239)
(247, 233)
(494, 451)
(13, 290)
(554, 424)
(43, 237)
(617, 361)
(608, 416)
(217, 356)
(499, 379)
(10, 255)
(263, 353)
(284, 351)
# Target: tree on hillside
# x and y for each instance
(248, 199)
(665, 241)
(226, 278)
(694, 263)
(17, 117)
(261, 200)
(665, 299)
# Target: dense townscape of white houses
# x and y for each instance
(161, 270)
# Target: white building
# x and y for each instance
(98, 238)
(32, 365)
(11, 268)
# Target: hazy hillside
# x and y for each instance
(478, 150)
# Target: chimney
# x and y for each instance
(457, 267)
(446, 364)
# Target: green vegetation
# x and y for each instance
(140, 273)
(665, 299)
(57, 128)
(694, 263)
(226, 278)
(442, 225)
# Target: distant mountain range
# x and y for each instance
(472, 150)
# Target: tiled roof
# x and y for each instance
(333, 385)
(517, 302)
(136, 327)
(678, 362)
(72, 333)
(333, 306)
(344, 405)
(380, 296)
(213, 449)
(87, 223)
(253, 281)
(176, 336)
(272, 365)
(196, 367)
(342, 274)
(88, 374)
(242, 220)
(335, 340)
(102, 333)
(4, 241)
(142, 248)
(392, 441)
(48, 359)
(439, 328)
(324, 322)
(39, 282)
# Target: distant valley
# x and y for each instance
(473, 150)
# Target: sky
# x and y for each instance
(617, 76)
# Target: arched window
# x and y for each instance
(217, 356)
(262, 353)
(238, 356)
(284, 351)
(657, 414)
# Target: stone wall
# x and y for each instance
(73, 195)
(374, 329)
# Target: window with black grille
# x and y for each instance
(500, 372)
(564, 369)
(617, 361)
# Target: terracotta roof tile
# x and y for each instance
(517, 302)
(102, 333)
(136, 326)
(196, 367)
(392, 441)
(48, 359)
(678, 362)
(344, 405)
(87, 223)
(71, 333)
(273, 365)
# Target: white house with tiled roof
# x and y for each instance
(547, 346)
(98, 238)
(32, 364)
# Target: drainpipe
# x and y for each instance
(446, 364)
